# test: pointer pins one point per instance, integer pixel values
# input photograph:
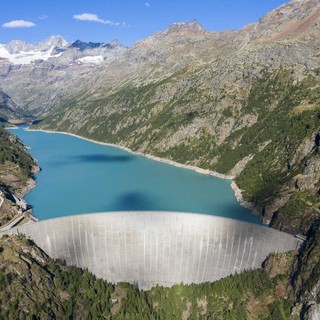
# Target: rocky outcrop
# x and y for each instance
(312, 312)
(304, 185)
(306, 275)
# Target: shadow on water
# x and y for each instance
(134, 201)
(93, 158)
(102, 158)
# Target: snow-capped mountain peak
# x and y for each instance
(79, 52)
(21, 52)
(53, 41)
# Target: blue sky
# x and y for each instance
(127, 21)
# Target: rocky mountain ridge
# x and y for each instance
(55, 49)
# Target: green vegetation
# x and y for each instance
(32, 286)
(274, 165)
(35, 287)
(273, 99)
(200, 150)
(299, 210)
(132, 108)
(16, 170)
(12, 153)
(237, 297)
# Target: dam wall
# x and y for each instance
(150, 248)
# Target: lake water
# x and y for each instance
(79, 176)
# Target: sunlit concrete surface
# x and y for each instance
(150, 248)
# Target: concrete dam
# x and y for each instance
(164, 248)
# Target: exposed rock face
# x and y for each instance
(9, 111)
(280, 264)
(306, 280)
(44, 70)
(312, 313)
(302, 272)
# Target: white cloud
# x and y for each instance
(18, 24)
(93, 17)
(43, 17)
(147, 4)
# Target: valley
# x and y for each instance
(199, 100)
(242, 103)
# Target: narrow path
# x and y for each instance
(12, 223)
(1, 199)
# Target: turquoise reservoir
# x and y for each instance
(79, 176)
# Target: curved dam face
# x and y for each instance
(164, 248)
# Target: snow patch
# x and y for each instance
(91, 59)
(26, 57)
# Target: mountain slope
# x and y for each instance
(244, 102)
(9, 111)
(17, 169)
(51, 69)
(33, 286)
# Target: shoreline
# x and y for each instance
(146, 155)
(30, 184)
(237, 191)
